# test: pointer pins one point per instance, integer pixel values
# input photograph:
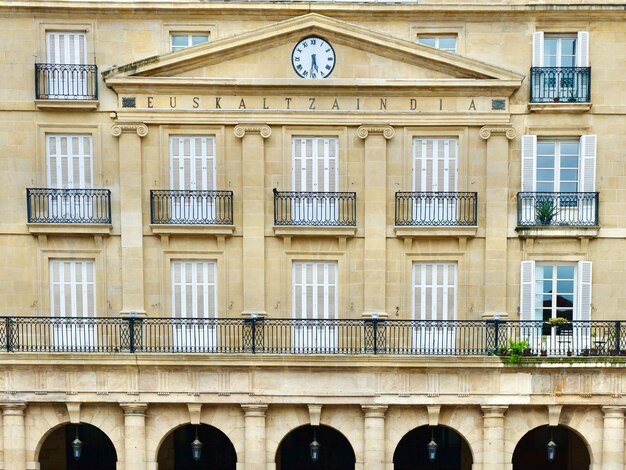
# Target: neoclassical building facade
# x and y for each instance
(301, 235)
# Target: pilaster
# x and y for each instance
(14, 435)
(493, 437)
(375, 220)
(253, 224)
(613, 438)
(373, 437)
(134, 435)
(496, 217)
(131, 214)
(254, 436)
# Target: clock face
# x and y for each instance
(313, 57)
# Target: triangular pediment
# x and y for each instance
(263, 57)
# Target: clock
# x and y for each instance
(313, 57)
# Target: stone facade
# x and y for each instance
(386, 93)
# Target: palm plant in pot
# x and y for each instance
(545, 210)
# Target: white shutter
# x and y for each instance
(194, 289)
(66, 47)
(435, 164)
(529, 162)
(69, 161)
(314, 161)
(582, 49)
(314, 290)
(527, 291)
(538, 49)
(588, 163)
(583, 310)
(434, 291)
(192, 162)
(72, 288)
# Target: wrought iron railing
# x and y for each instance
(314, 208)
(560, 84)
(436, 208)
(291, 336)
(191, 207)
(66, 82)
(544, 209)
(68, 206)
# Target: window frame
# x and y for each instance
(189, 37)
(440, 29)
(438, 38)
(168, 29)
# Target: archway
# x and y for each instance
(453, 452)
(96, 451)
(217, 451)
(531, 451)
(336, 452)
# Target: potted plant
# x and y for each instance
(545, 210)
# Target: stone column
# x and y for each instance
(13, 435)
(496, 217)
(134, 435)
(253, 223)
(374, 437)
(613, 438)
(493, 437)
(131, 214)
(254, 437)
(375, 220)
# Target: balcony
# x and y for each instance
(191, 211)
(568, 86)
(430, 213)
(314, 213)
(51, 210)
(561, 212)
(292, 337)
(66, 86)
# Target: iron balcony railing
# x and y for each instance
(68, 206)
(544, 209)
(66, 82)
(315, 208)
(560, 84)
(194, 207)
(291, 336)
(436, 208)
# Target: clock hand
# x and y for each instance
(313, 63)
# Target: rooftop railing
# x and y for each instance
(436, 208)
(66, 82)
(291, 336)
(194, 207)
(322, 209)
(560, 84)
(68, 206)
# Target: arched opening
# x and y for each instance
(335, 452)
(570, 453)
(96, 449)
(216, 452)
(452, 450)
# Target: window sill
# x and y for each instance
(77, 105)
(558, 232)
(560, 107)
(316, 231)
(189, 229)
(69, 229)
(435, 231)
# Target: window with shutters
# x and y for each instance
(66, 74)
(194, 304)
(314, 305)
(434, 300)
(69, 161)
(72, 301)
(558, 289)
(560, 67)
(558, 181)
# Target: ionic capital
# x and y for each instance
(508, 131)
(254, 410)
(262, 129)
(134, 409)
(386, 131)
(129, 128)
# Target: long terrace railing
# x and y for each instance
(196, 207)
(436, 208)
(66, 82)
(316, 209)
(290, 336)
(68, 206)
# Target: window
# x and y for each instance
(561, 168)
(180, 41)
(315, 302)
(560, 50)
(66, 47)
(551, 290)
(66, 54)
(194, 304)
(445, 42)
(434, 302)
(69, 161)
(72, 294)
